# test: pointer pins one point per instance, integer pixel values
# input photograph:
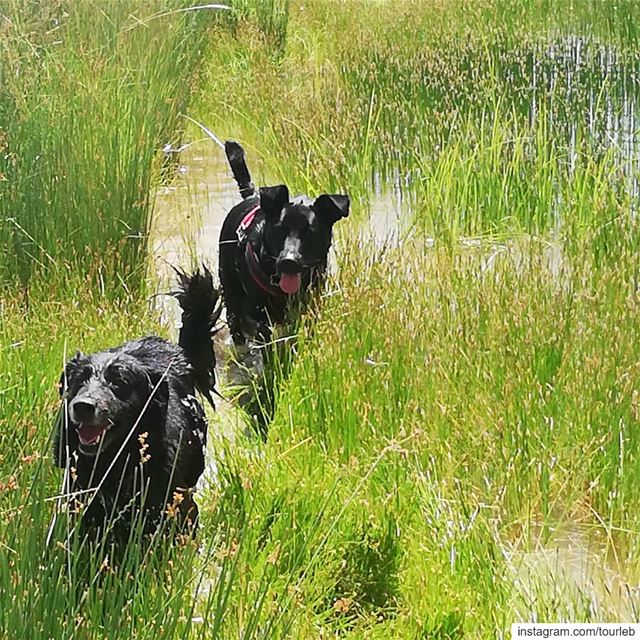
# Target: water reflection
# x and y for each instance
(573, 575)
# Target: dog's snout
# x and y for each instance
(290, 258)
(83, 410)
(289, 264)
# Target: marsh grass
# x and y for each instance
(89, 96)
(400, 465)
(482, 392)
(452, 404)
(358, 102)
(460, 398)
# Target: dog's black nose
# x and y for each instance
(83, 410)
(289, 265)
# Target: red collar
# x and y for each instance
(253, 264)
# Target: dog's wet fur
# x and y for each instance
(290, 239)
(131, 432)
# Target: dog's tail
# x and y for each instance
(238, 163)
(200, 303)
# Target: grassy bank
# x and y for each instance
(89, 97)
(447, 413)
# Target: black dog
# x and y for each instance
(272, 250)
(130, 431)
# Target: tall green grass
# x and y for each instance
(450, 406)
(89, 95)
(450, 409)
(445, 408)
(499, 93)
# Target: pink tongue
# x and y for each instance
(88, 435)
(290, 282)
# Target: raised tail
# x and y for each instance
(201, 308)
(238, 163)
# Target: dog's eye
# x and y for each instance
(74, 376)
(116, 382)
(120, 388)
(279, 232)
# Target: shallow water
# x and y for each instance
(589, 85)
(581, 92)
(574, 568)
(188, 215)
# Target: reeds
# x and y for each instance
(89, 97)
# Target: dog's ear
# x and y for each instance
(62, 383)
(332, 207)
(64, 438)
(273, 200)
(58, 448)
(159, 387)
(76, 368)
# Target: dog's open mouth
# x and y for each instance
(290, 283)
(91, 434)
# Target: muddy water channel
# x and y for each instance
(189, 213)
(589, 94)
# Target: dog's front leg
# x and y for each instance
(256, 329)
(254, 318)
(235, 328)
(244, 325)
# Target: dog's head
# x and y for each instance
(104, 395)
(297, 234)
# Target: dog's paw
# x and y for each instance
(263, 332)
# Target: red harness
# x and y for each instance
(253, 265)
(245, 223)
